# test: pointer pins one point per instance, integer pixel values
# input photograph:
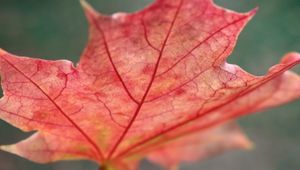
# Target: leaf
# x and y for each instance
(146, 81)
(201, 145)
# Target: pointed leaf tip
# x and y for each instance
(85, 4)
(90, 13)
(254, 11)
(8, 148)
(246, 143)
(88, 8)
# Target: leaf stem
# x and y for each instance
(102, 167)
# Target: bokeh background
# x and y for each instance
(54, 29)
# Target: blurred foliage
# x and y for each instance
(55, 29)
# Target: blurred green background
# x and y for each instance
(54, 29)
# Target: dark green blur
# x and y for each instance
(55, 29)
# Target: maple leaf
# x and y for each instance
(154, 84)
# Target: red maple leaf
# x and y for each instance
(154, 84)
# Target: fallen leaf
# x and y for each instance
(146, 81)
